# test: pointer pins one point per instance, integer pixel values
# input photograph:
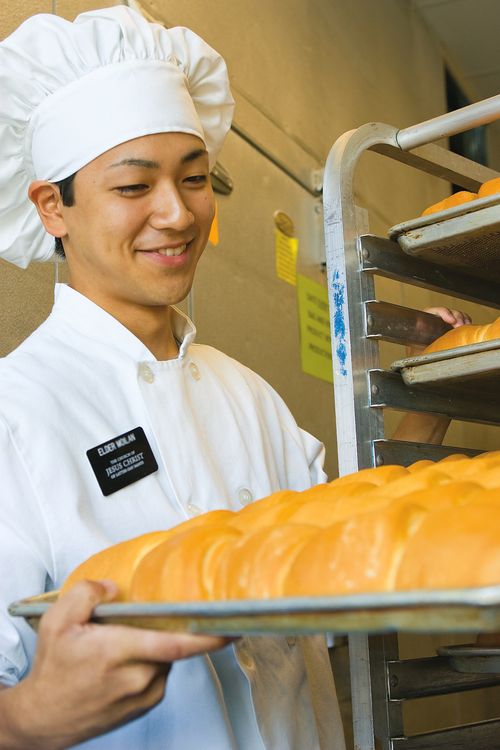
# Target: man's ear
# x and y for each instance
(47, 199)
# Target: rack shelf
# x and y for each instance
(379, 680)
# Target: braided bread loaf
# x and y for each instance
(431, 525)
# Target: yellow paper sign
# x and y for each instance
(286, 256)
(315, 338)
(213, 237)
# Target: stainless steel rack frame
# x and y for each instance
(379, 680)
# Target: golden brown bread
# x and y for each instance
(272, 509)
(256, 566)
(468, 554)
(465, 335)
(491, 187)
(376, 475)
(429, 525)
(119, 562)
(116, 563)
(178, 569)
(359, 554)
(456, 199)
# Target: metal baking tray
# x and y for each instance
(472, 659)
(450, 611)
(465, 237)
(462, 366)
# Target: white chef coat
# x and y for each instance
(221, 437)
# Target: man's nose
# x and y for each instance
(170, 211)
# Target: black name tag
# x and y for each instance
(122, 460)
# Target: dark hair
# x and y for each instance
(67, 190)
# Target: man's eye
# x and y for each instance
(197, 179)
(131, 188)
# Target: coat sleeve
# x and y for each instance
(25, 557)
(315, 453)
(309, 447)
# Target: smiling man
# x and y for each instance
(110, 126)
(138, 222)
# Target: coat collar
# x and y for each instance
(81, 314)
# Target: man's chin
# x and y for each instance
(167, 300)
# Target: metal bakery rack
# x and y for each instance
(456, 252)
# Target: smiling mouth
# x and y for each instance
(171, 251)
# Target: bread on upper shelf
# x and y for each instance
(431, 525)
(491, 187)
(456, 199)
(465, 335)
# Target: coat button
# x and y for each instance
(245, 496)
(146, 373)
(194, 370)
(193, 509)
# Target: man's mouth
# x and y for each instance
(169, 251)
(173, 256)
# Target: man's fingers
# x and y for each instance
(120, 643)
(187, 645)
(455, 318)
(133, 678)
(442, 312)
(136, 644)
(76, 606)
(133, 707)
(460, 318)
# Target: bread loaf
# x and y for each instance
(456, 199)
(431, 525)
(467, 554)
(465, 335)
(359, 554)
(257, 565)
(182, 568)
(491, 187)
(119, 562)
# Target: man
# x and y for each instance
(111, 126)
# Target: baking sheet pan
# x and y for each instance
(465, 237)
(463, 365)
(464, 209)
(453, 610)
(472, 659)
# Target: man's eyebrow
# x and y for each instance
(192, 155)
(147, 163)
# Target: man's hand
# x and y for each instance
(88, 678)
(428, 428)
(455, 318)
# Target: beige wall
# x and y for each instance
(317, 68)
(26, 296)
(332, 65)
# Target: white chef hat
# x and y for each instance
(73, 90)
